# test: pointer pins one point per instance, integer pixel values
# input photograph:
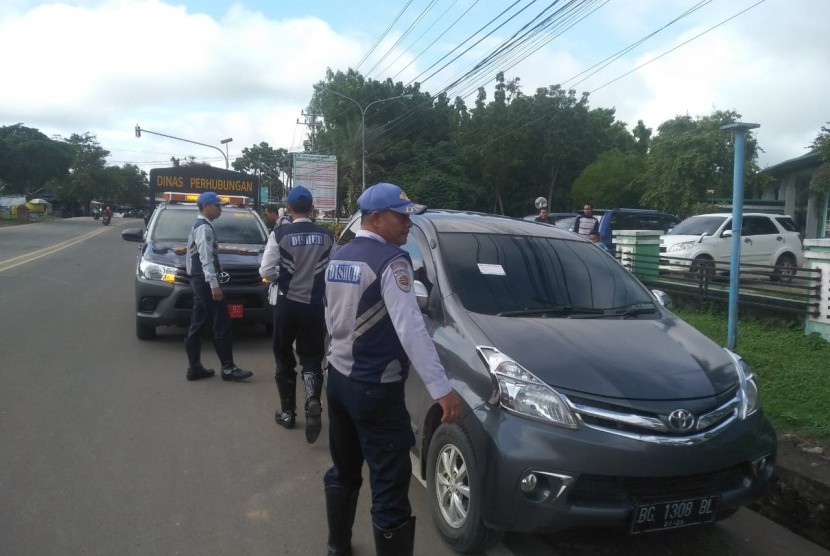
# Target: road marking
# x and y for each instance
(14, 262)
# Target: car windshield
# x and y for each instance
(698, 225)
(515, 275)
(233, 226)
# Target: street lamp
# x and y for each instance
(363, 125)
(225, 142)
(139, 129)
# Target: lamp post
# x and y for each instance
(363, 126)
(139, 129)
(225, 142)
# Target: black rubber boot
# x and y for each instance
(313, 384)
(287, 387)
(399, 541)
(341, 504)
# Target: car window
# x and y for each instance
(698, 225)
(758, 225)
(787, 223)
(349, 232)
(416, 246)
(493, 273)
(231, 227)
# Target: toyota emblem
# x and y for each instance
(681, 420)
(224, 278)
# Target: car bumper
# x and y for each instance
(590, 478)
(159, 304)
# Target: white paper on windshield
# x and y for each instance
(492, 269)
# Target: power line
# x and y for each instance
(389, 28)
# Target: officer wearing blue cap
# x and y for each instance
(377, 334)
(295, 261)
(203, 267)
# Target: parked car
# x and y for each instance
(557, 216)
(700, 241)
(162, 286)
(586, 402)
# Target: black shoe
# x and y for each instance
(287, 419)
(235, 374)
(199, 373)
(313, 422)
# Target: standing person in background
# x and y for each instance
(270, 214)
(295, 261)
(544, 217)
(203, 267)
(376, 331)
(285, 216)
(586, 222)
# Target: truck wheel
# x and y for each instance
(145, 331)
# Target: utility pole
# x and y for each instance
(311, 123)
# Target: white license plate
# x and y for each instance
(674, 513)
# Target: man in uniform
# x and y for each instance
(376, 332)
(295, 261)
(203, 268)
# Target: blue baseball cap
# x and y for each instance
(209, 198)
(300, 199)
(387, 196)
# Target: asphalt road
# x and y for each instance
(106, 449)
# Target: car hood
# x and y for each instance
(637, 359)
(230, 255)
(671, 239)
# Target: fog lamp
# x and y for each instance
(529, 482)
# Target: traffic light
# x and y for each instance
(137, 131)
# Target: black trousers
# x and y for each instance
(206, 310)
(305, 324)
(370, 422)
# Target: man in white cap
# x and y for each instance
(377, 334)
(203, 267)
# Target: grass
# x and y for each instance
(794, 369)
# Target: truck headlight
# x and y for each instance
(522, 392)
(750, 400)
(155, 271)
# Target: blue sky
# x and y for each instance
(214, 69)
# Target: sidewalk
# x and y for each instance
(800, 499)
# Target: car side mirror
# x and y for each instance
(662, 298)
(726, 233)
(421, 295)
(133, 234)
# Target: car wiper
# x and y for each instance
(632, 310)
(555, 309)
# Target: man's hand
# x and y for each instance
(451, 404)
(216, 293)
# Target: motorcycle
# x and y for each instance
(96, 214)
(106, 218)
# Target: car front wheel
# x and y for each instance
(785, 269)
(454, 492)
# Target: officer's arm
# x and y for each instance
(269, 267)
(396, 288)
(203, 237)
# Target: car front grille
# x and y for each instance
(655, 427)
(248, 276)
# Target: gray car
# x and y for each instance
(587, 403)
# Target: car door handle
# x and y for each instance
(747, 240)
(779, 238)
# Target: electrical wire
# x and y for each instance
(386, 32)
(412, 25)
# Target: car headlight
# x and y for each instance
(521, 392)
(155, 271)
(750, 400)
(682, 246)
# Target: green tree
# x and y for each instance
(820, 182)
(29, 159)
(87, 179)
(692, 155)
(268, 163)
(614, 179)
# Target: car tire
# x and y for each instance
(454, 492)
(785, 269)
(145, 331)
(702, 268)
